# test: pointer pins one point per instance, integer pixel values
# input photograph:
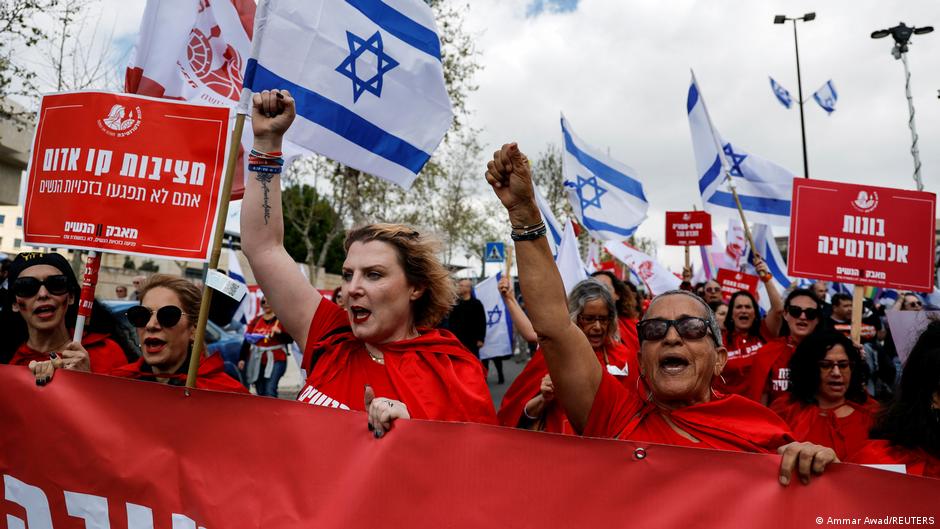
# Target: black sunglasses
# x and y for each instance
(811, 313)
(27, 287)
(167, 316)
(689, 328)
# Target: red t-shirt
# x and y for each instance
(628, 333)
(433, 374)
(273, 336)
(770, 371)
(210, 375)
(742, 349)
(845, 435)
(104, 354)
(529, 382)
(881, 452)
(728, 422)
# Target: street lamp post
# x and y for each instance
(780, 19)
(902, 36)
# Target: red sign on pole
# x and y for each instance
(688, 228)
(127, 174)
(732, 281)
(864, 235)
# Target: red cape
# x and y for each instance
(727, 422)
(808, 422)
(433, 374)
(211, 374)
(774, 354)
(104, 354)
(628, 334)
(882, 452)
(527, 385)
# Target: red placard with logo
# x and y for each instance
(865, 235)
(688, 228)
(126, 174)
(732, 281)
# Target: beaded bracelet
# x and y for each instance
(530, 235)
(269, 169)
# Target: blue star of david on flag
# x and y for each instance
(735, 159)
(384, 63)
(598, 192)
(494, 316)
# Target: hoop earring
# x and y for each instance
(649, 392)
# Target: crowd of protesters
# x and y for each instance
(686, 367)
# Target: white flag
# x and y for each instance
(654, 275)
(826, 97)
(498, 341)
(606, 197)
(366, 75)
(552, 225)
(568, 260)
(764, 188)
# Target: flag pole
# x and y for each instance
(199, 340)
(725, 167)
(87, 299)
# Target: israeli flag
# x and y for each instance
(767, 248)
(569, 261)
(498, 341)
(552, 225)
(606, 198)
(826, 96)
(244, 313)
(764, 188)
(647, 270)
(366, 76)
(783, 95)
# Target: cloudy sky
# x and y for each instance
(619, 70)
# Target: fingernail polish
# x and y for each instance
(370, 426)
(377, 434)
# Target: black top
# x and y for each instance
(467, 320)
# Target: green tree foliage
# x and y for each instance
(312, 229)
(19, 30)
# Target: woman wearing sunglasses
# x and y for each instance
(42, 307)
(746, 332)
(530, 401)
(826, 402)
(166, 326)
(395, 291)
(908, 432)
(680, 356)
(769, 378)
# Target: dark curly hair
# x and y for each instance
(910, 420)
(805, 377)
(754, 330)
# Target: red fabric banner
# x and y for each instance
(120, 453)
(864, 235)
(688, 228)
(126, 174)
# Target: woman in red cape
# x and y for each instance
(908, 432)
(529, 402)
(166, 327)
(42, 307)
(769, 377)
(381, 354)
(680, 355)
(626, 301)
(745, 332)
(827, 403)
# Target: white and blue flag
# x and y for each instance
(767, 248)
(606, 197)
(498, 341)
(568, 260)
(826, 96)
(366, 76)
(783, 95)
(245, 311)
(764, 188)
(554, 228)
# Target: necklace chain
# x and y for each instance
(377, 359)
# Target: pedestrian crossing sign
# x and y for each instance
(495, 252)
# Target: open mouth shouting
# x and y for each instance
(45, 311)
(153, 345)
(359, 314)
(673, 364)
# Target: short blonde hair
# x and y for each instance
(417, 255)
(189, 294)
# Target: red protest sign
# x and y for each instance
(732, 281)
(864, 235)
(688, 228)
(126, 173)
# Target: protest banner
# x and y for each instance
(732, 281)
(688, 228)
(127, 174)
(203, 461)
(865, 235)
